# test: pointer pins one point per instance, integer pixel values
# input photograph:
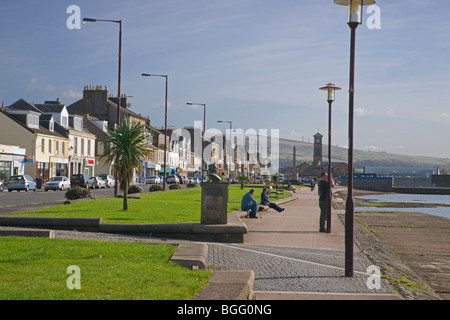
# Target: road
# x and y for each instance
(21, 201)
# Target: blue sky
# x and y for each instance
(258, 63)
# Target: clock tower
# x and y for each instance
(317, 158)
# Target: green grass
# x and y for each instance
(36, 269)
(174, 206)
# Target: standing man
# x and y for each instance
(323, 186)
(248, 203)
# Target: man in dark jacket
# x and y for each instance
(323, 186)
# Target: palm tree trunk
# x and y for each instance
(125, 198)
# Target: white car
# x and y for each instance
(153, 180)
(96, 182)
(57, 183)
(109, 180)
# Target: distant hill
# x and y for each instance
(304, 151)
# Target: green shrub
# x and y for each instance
(135, 189)
(77, 193)
(174, 186)
(155, 187)
(191, 185)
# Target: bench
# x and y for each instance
(260, 210)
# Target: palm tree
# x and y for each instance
(242, 180)
(124, 149)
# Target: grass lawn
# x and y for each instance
(174, 206)
(36, 269)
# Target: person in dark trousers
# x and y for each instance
(248, 203)
(265, 201)
(323, 186)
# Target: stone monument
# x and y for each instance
(214, 199)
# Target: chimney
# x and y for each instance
(97, 93)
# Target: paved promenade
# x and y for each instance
(292, 260)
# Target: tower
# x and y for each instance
(317, 157)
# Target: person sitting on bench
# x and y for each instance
(265, 201)
(248, 203)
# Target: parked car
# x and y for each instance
(172, 179)
(153, 180)
(79, 180)
(2, 186)
(195, 180)
(21, 182)
(109, 180)
(57, 183)
(96, 182)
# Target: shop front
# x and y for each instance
(89, 165)
(59, 166)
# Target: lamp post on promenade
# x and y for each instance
(330, 88)
(354, 20)
(165, 124)
(203, 133)
(87, 21)
(228, 165)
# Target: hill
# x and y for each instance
(361, 158)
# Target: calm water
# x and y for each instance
(405, 198)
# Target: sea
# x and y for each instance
(410, 198)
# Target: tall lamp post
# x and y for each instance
(330, 88)
(228, 165)
(87, 21)
(203, 133)
(165, 124)
(354, 20)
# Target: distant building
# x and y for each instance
(406, 176)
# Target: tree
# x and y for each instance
(124, 149)
(242, 180)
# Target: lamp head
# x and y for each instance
(355, 8)
(89, 20)
(331, 89)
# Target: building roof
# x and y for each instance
(41, 130)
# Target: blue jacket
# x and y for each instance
(247, 200)
(264, 199)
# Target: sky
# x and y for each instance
(257, 63)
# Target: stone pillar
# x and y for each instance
(214, 203)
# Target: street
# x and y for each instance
(12, 201)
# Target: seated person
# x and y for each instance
(265, 201)
(248, 203)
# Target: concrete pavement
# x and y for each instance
(292, 260)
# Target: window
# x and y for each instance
(78, 123)
(82, 146)
(75, 145)
(63, 146)
(89, 148)
(43, 145)
(50, 146)
(56, 147)
(32, 121)
(64, 121)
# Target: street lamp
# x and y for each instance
(90, 20)
(354, 19)
(228, 165)
(331, 89)
(165, 124)
(203, 134)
